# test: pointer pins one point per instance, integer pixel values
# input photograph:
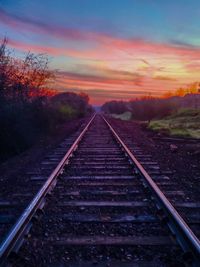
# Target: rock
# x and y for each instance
(173, 148)
(192, 147)
(129, 257)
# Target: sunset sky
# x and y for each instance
(110, 49)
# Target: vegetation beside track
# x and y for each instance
(175, 116)
(184, 123)
(29, 109)
(126, 116)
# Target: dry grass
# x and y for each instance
(184, 123)
(126, 116)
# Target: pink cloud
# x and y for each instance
(30, 25)
(193, 66)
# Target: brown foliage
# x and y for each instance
(22, 79)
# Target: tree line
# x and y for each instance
(28, 109)
(146, 108)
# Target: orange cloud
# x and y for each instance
(107, 76)
(164, 78)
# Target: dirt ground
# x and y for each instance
(180, 155)
(32, 157)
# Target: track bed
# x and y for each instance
(100, 213)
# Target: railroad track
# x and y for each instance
(180, 188)
(99, 206)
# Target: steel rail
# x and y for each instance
(183, 234)
(17, 232)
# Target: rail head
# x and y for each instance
(185, 236)
(17, 231)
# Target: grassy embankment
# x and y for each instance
(184, 123)
(126, 116)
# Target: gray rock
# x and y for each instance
(173, 148)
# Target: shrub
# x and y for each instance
(27, 108)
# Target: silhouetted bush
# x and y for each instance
(27, 109)
(150, 108)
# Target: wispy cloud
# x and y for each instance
(105, 75)
(107, 42)
(164, 78)
(113, 79)
(31, 25)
